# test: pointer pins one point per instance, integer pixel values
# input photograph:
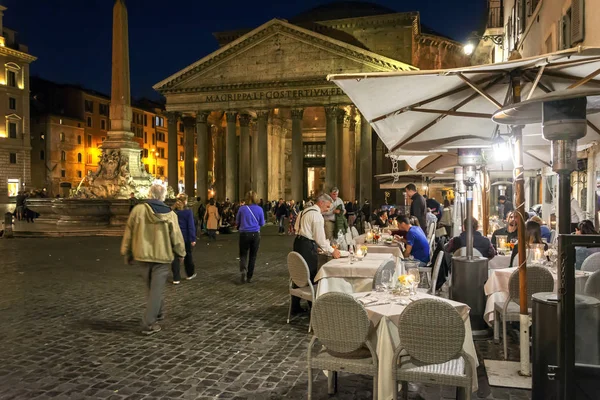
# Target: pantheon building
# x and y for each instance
(259, 114)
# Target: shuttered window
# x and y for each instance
(577, 21)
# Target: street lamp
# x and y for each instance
(475, 37)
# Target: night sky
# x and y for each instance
(72, 38)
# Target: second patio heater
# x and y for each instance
(469, 273)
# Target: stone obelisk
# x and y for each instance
(120, 136)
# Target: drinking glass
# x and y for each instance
(414, 272)
(386, 279)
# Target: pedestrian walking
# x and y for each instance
(333, 216)
(185, 217)
(249, 219)
(281, 212)
(152, 239)
(211, 218)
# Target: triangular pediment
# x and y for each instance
(277, 51)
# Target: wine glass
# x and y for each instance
(386, 279)
(416, 278)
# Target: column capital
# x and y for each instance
(244, 119)
(172, 116)
(262, 114)
(331, 111)
(188, 120)
(297, 113)
(202, 117)
(231, 116)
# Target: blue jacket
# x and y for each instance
(186, 223)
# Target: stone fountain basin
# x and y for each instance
(82, 212)
(44, 207)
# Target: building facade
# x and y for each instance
(15, 171)
(267, 118)
(68, 126)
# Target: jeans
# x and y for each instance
(188, 262)
(155, 276)
(249, 243)
(281, 224)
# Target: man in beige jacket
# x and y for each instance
(153, 239)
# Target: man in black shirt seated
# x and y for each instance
(480, 242)
(510, 230)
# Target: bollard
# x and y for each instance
(8, 226)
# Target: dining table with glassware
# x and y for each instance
(350, 274)
(380, 243)
(384, 309)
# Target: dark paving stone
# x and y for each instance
(70, 312)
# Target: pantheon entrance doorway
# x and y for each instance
(314, 169)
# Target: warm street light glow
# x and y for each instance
(195, 159)
(468, 49)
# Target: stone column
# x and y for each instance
(331, 113)
(244, 167)
(297, 155)
(172, 156)
(220, 162)
(341, 183)
(350, 159)
(188, 138)
(231, 158)
(262, 159)
(357, 160)
(202, 154)
(366, 161)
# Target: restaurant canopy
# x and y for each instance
(449, 109)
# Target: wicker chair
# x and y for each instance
(539, 279)
(341, 326)
(591, 263)
(592, 286)
(436, 272)
(432, 334)
(300, 277)
(389, 265)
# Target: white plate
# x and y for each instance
(344, 253)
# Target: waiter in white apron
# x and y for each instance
(310, 229)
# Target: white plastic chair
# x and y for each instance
(354, 232)
(436, 272)
(591, 263)
(299, 276)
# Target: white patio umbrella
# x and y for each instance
(450, 109)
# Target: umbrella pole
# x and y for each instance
(485, 203)
(522, 246)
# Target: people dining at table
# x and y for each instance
(510, 230)
(480, 242)
(505, 207)
(415, 241)
(382, 219)
(434, 206)
(585, 227)
(546, 233)
(533, 235)
(310, 235)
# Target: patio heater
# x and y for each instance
(459, 201)
(563, 118)
(469, 273)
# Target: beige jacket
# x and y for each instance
(152, 237)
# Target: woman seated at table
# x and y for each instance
(416, 242)
(382, 219)
(533, 235)
(585, 227)
(546, 233)
(480, 242)
(510, 230)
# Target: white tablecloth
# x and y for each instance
(499, 262)
(393, 248)
(496, 288)
(338, 275)
(385, 338)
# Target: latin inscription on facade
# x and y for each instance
(274, 94)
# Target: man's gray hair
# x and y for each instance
(157, 192)
(324, 197)
(334, 190)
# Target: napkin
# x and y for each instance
(368, 300)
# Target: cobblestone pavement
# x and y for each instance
(70, 312)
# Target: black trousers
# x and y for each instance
(308, 250)
(188, 262)
(249, 243)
